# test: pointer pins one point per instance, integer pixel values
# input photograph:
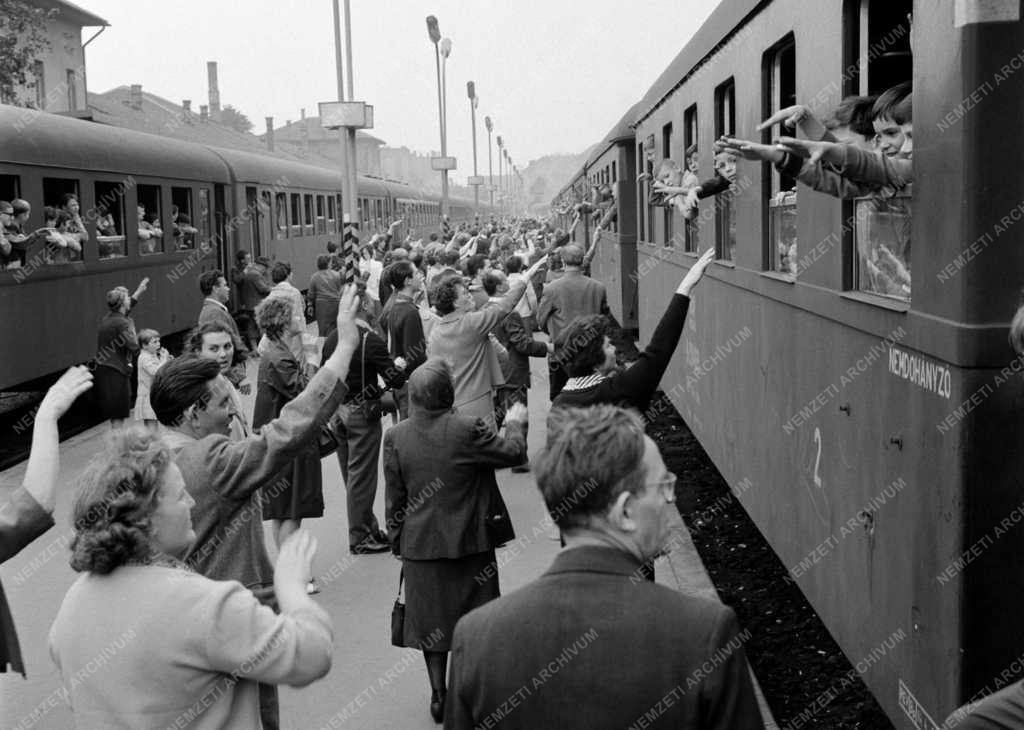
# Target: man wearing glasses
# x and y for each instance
(591, 644)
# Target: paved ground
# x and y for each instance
(372, 685)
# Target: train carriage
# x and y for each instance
(877, 426)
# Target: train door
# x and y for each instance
(220, 219)
(252, 204)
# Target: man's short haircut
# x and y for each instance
(889, 104)
(273, 316)
(513, 264)
(592, 455)
(20, 206)
(579, 348)
(398, 272)
(572, 255)
(855, 112)
(263, 261)
(280, 271)
(332, 246)
(323, 260)
(491, 281)
(446, 293)
(473, 264)
(240, 255)
(180, 384)
(208, 280)
(449, 258)
(433, 236)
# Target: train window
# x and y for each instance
(332, 214)
(779, 79)
(280, 215)
(669, 211)
(64, 213)
(182, 229)
(877, 45)
(615, 175)
(150, 219)
(203, 219)
(882, 237)
(691, 159)
(379, 218)
(296, 214)
(10, 187)
(307, 209)
(110, 228)
(321, 215)
(725, 204)
(641, 195)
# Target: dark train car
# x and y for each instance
(51, 310)
(877, 428)
(613, 163)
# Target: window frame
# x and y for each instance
(772, 200)
(159, 217)
(725, 211)
(122, 220)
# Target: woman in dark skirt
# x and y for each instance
(445, 515)
(296, 494)
(116, 344)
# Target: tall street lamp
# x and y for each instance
(501, 150)
(476, 180)
(490, 162)
(442, 163)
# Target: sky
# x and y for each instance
(554, 75)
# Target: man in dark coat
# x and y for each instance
(252, 289)
(543, 656)
(566, 298)
(28, 512)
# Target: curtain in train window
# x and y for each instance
(307, 209)
(203, 215)
(669, 211)
(321, 214)
(779, 71)
(725, 165)
(691, 160)
(281, 215)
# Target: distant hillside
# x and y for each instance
(544, 177)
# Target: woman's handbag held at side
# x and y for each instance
(398, 616)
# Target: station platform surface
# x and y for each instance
(372, 685)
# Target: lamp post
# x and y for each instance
(475, 180)
(490, 162)
(501, 150)
(440, 164)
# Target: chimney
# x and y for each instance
(186, 110)
(270, 134)
(211, 73)
(135, 96)
(204, 113)
(304, 135)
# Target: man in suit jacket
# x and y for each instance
(193, 400)
(533, 658)
(28, 512)
(571, 296)
(215, 289)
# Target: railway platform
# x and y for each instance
(372, 685)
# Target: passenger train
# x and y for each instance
(880, 430)
(235, 200)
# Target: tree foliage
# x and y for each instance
(231, 117)
(22, 40)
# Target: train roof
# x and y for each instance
(621, 131)
(251, 167)
(726, 18)
(51, 140)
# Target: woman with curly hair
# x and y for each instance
(280, 379)
(216, 341)
(171, 642)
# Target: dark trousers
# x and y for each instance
(402, 398)
(556, 375)
(358, 455)
(504, 397)
(247, 329)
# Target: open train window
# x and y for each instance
(321, 214)
(691, 160)
(876, 46)
(307, 214)
(780, 201)
(379, 218)
(64, 213)
(110, 228)
(182, 229)
(725, 203)
(280, 215)
(668, 212)
(296, 214)
(150, 219)
(10, 189)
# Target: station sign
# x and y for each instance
(347, 114)
(442, 163)
(475, 180)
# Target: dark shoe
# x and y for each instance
(380, 537)
(521, 469)
(369, 546)
(437, 705)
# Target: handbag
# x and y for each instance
(398, 616)
(370, 407)
(328, 442)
